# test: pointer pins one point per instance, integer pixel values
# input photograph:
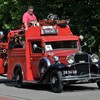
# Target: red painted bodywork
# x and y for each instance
(27, 60)
(3, 46)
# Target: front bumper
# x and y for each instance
(82, 78)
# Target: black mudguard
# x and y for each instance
(46, 76)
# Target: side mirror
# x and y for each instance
(81, 37)
(34, 46)
(1, 34)
(37, 49)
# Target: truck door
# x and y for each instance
(36, 54)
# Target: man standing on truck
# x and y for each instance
(29, 17)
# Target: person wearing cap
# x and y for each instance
(29, 17)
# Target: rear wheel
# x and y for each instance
(18, 78)
(56, 81)
(98, 83)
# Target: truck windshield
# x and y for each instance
(56, 45)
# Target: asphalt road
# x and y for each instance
(43, 92)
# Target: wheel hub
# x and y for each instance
(54, 79)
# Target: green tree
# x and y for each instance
(84, 16)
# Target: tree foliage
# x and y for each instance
(84, 16)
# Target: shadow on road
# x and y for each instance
(46, 87)
(6, 82)
(77, 87)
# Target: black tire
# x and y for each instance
(98, 83)
(18, 78)
(56, 81)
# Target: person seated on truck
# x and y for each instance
(15, 42)
(52, 16)
(29, 17)
(18, 42)
(57, 20)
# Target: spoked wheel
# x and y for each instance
(56, 81)
(98, 83)
(18, 78)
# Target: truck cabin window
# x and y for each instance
(36, 47)
(56, 45)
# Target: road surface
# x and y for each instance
(43, 92)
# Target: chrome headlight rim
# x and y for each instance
(70, 59)
(94, 58)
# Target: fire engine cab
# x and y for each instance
(48, 53)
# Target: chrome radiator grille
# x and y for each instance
(82, 63)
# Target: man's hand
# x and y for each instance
(34, 23)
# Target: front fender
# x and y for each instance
(45, 60)
(56, 66)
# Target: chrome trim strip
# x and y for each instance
(47, 60)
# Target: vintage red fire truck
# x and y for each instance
(48, 53)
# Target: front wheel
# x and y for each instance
(98, 83)
(56, 81)
(18, 78)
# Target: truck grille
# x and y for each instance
(82, 63)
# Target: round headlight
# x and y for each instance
(56, 58)
(70, 59)
(95, 58)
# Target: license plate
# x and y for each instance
(69, 72)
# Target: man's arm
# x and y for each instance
(25, 25)
(25, 21)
